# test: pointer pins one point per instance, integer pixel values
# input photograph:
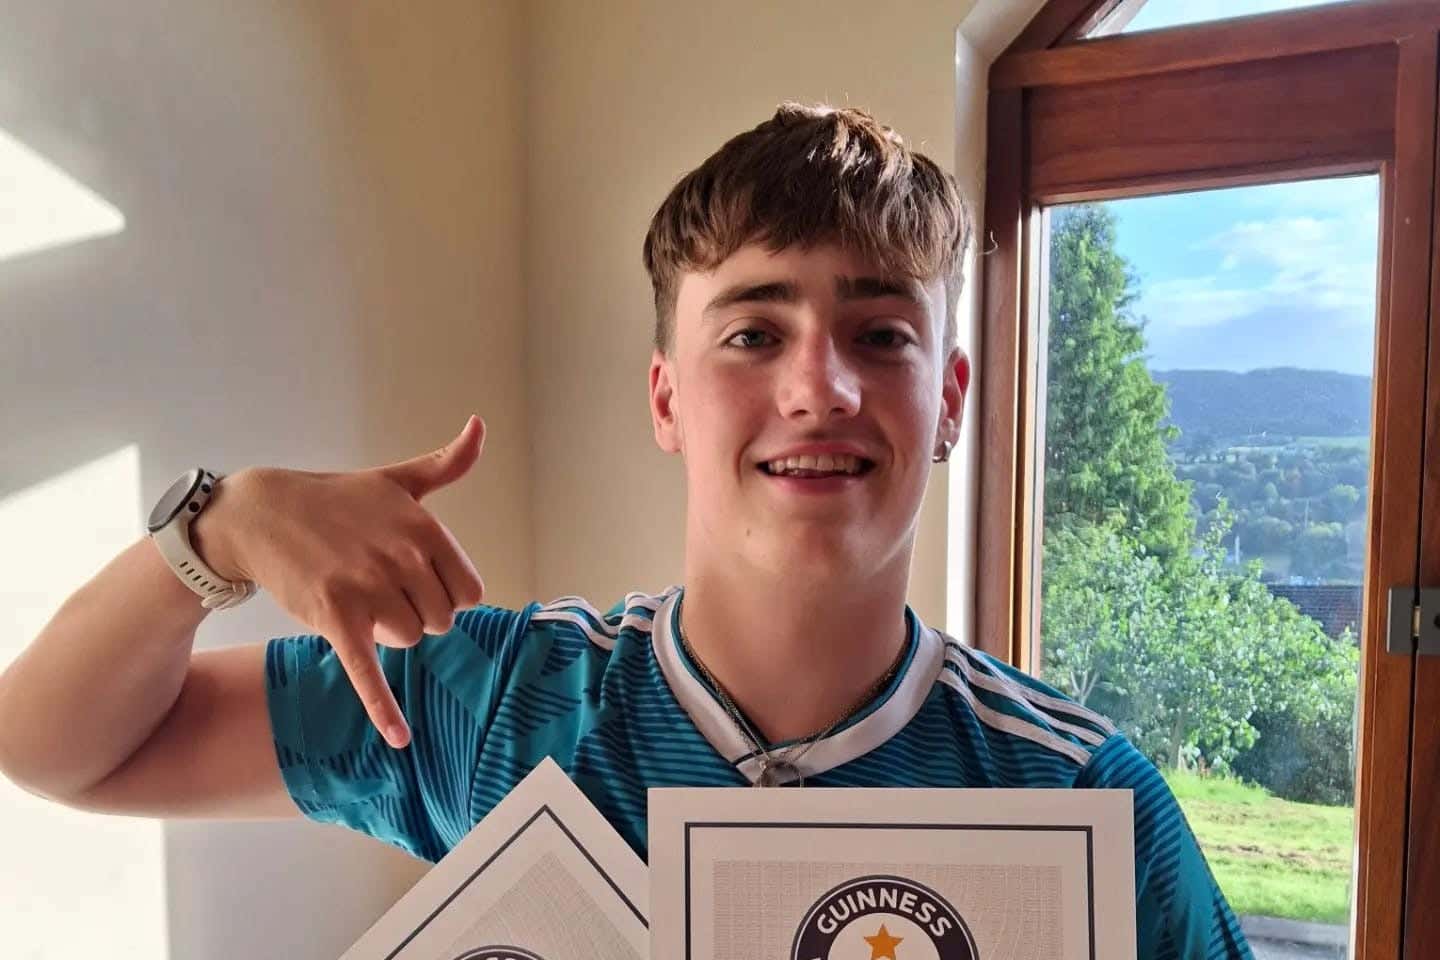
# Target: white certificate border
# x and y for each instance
(1086, 828)
(544, 810)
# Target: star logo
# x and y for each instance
(882, 945)
(880, 912)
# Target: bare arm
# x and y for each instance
(211, 756)
(109, 709)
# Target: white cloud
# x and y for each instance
(1193, 302)
(1303, 264)
(1338, 196)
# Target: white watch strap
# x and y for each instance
(173, 540)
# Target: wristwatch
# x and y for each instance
(169, 527)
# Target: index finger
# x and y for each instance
(456, 571)
(355, 648)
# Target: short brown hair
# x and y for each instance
(811, 175)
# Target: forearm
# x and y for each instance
(352, 556)
(102, 674)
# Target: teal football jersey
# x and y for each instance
(614, 699)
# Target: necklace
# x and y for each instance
(778, 768)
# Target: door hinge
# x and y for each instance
(1414, 626)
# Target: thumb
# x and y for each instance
(425, 474)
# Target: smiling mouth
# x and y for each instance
(816, 467)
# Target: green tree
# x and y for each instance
(1142, 616)
(1320, 550)
(1305, 749)
(1099, 596)
(1186, 654)
(1342, 500)
(1231, 647)
(1106, 456)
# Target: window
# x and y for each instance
(1155, 14)
(1223, 494)
(1205, 447)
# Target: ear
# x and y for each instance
(955, 383)
(663, 414)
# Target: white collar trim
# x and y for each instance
(715, 724)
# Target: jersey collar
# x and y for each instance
(878, 722)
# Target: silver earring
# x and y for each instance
(942, 452)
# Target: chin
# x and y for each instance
(817, 552)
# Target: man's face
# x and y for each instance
(807, 394)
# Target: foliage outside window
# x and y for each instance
(1146, 615)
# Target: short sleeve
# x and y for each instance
(1180, 913)
(337, 767)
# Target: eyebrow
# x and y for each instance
(785, 291)
(782, 291)
(874, 288)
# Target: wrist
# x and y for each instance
(212, 532)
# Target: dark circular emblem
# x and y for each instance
(498, 953)
(883, 918)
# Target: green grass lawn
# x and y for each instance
(1271, 857)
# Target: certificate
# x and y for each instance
(542, 877)
(892, 874)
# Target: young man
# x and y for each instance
(806, 279)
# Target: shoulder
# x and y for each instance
(579, 618)
(1029, 734)
(1179, 908)
(1018, 714)
(488, 650)
(567, 673)
(1159, 823)
(573, 636)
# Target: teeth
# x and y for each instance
(821, 463)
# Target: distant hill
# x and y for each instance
(1279, 403)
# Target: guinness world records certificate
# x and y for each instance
(542, 877)
(891, 874)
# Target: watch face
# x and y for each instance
(173, 500)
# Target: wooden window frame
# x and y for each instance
(1052, 137)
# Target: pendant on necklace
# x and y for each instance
(775, 773)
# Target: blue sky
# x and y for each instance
(1279, 275)
(1168, 13)
(1276, 275)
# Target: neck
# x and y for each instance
(794, 655)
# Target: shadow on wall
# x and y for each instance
(255, 237)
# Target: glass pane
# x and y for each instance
(1172, 13)
(1208, 361)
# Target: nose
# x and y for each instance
(818, 381)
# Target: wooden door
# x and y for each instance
(1348, 90)
(1422, 887)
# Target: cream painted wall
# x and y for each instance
(320, 268)
(623, 99)
(347, 226)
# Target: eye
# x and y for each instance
(750, 339)
(886, 337)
